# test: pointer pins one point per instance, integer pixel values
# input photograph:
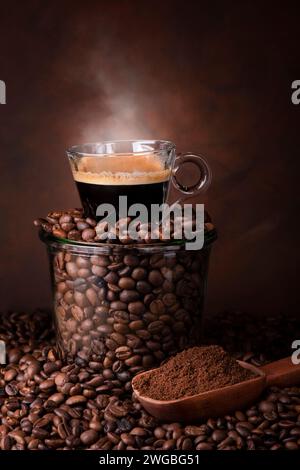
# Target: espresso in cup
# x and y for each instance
(102, 180)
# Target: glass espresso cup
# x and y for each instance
(143, 170)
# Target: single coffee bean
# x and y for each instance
(60, 379)
(57, 398)
(14, 355)
(59, 232)
(123, 352)
(84, 273)
(112, 278)
(128, 296)
(76, 400)
(74, 235)
(89, 437)
(118, 338)
(143, 287)
(80, 299)
(133, 360)
(47, 384)
(126, 283)
(10, 374)
(169, 299)
(88, 234)
(118, 305)
(157, 307)
(95, 424)
(77, 313)
(155, 327)
(138, 274)
(105, 329)
(87, 325)
(82, 225)
(71, 269)
(136, 308)
(155, 278)
(204, 446)
(65, 218)
(121, 328)
(136, 325)
(266, 406)
(291, 445)
(131, 260)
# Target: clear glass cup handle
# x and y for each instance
(204, 179)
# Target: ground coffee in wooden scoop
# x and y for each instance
(190, 372)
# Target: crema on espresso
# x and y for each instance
(102, 179)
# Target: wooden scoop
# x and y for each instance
(222, 401)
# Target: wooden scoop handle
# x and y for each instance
(282, 373)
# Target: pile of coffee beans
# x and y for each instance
(126, 312)
(70, 224)
(49, 405)
(73, 225)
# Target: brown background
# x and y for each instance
(213, 78)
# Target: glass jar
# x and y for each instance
(125, 309)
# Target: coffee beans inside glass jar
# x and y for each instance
(126, 310)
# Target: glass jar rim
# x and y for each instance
(115, 248)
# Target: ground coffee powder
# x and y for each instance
(192, 371)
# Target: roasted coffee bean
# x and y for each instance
(100, 272)
(105, 329)
(71, 269)
(88, 234)
(218, 435)
(47, 384)
(123, 352)
(291, 445)
(82, 225)
(10, 374)
(126, 283)
(11, 389)
(40, 433)
(76, 400)
(143, 287)
(131, 260)
(155, 278)
(155, 327)
(138, 274)
(74, 235)
(14, 355)
(136, 325)
(87, 325)
(89, 437)
(118, 305)
(57, 398)
(65, 218)
(267, 406)
(129, 295)
(136, 308)
(157, 307)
